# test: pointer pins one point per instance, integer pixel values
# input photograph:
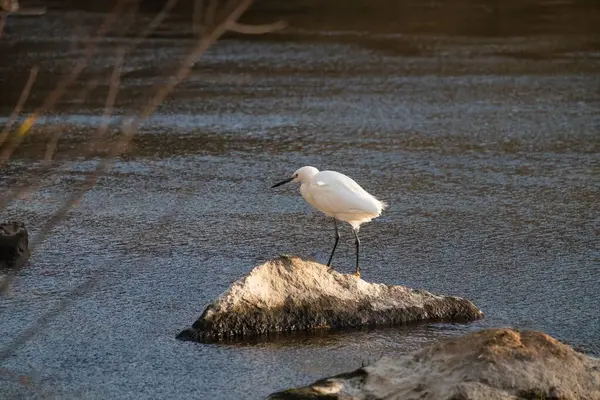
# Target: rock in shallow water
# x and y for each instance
(290, 294)
(493, 364)
(14, 245)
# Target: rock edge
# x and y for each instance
(14, 245)
(492, 364)
(290, 294)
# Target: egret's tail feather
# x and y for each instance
(384, 205)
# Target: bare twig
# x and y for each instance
(183, 71)
(33, 182)
(129, 130)
(63, 85)
(55, 95)
(90, 85)
(50, 149)
(22, 99)
(160, 17)
(236, 9)
(113, 90)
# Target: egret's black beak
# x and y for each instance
(282, 182)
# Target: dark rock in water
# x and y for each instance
(290, 294)
(492, 364)
(14, 245)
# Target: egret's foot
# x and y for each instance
(357, 274)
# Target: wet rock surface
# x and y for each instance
(290, 294)
(488, 364)
(14, 242)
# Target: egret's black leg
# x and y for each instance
(357, 251)
(337, 239)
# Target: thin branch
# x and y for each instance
(84, 92)
(34, 181)
(82, 63)
(91, 85)
(63, 85)
(129, 130)
(153, 24)
(183, 71)
(51, 147)
(113, 90)
(22, 99)
(256, 29)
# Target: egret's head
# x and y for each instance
(303, 175)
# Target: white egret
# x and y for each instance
(339, 197)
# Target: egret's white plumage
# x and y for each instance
(337, 196)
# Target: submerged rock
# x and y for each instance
(14, 245)
(493, 364)
(290, 294)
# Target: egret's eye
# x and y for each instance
(296, 175)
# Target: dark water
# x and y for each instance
(478, 124)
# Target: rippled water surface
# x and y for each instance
(478, 124)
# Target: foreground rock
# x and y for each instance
(14, 245)
(494, 364)
(289, 294)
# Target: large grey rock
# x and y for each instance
(14, 245)
(493, 364)
(290, 294)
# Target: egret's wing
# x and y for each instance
(333, 194)
(335, 178)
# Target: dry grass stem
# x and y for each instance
(81, 96)
(22, 99)
(131, 128)
(228, 21)
(76, 197)
(64, 84)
